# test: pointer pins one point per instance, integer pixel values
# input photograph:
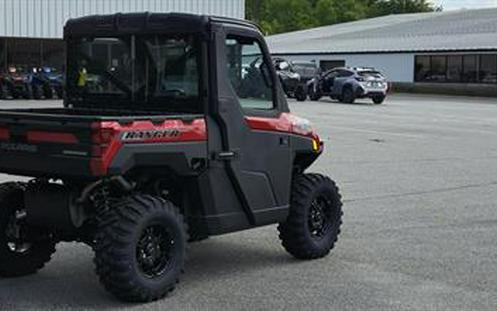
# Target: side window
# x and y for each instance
(344, 74)
(331, 74)
(249, 73)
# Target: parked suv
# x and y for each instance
(348, 84)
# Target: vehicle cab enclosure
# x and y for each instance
(180, 106)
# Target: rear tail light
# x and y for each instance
(104, 145)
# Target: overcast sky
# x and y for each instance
(468, 4)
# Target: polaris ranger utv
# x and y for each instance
(162, 140)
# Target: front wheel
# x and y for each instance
(22, 251)
(140, 248)
(315, 217)
(379, 99)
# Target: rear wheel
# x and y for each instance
(22, 251)
(315, 217)
(140, 248)
(348, 95)
(378, 99)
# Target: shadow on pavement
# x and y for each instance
(69, 280)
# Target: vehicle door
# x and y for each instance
(248, 113)
(328, 81)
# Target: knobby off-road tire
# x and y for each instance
(140, 248)
(19, 255)
(315, 217)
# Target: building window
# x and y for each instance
(488, 68)
(422, 67)
(53, 54)
(326, 65)
(456, 68)
(26, 54)
(470, 69)
(438, 69)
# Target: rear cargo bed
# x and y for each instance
(61, 142)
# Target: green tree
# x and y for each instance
(276, 16)
(328, 12)
(386, 7)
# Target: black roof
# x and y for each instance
(146, 22)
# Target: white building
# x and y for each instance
(31, 30)
(454, 50)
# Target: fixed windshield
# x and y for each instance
(149, 71)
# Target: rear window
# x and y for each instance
(371, 74)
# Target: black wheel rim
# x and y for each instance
(15, 231)
(321, 217)
(154, 251)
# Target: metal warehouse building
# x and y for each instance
(450, 52)
(31, 30)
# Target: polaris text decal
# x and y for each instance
(150, 134)
(19, 147)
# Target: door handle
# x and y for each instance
(226, 156)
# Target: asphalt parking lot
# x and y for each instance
(419, 179)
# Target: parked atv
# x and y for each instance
(19, 82)
(293, 86)
(52, 82)
(142, 159)
(5, 85)
(306, 70)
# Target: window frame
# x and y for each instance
(275, 111)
